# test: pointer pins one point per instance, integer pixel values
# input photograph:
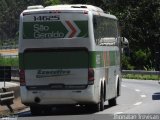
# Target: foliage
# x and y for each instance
(126, 63)
(8, 61)
(142, 77)
(140, 25)
(143, 58)
(52, 2)
(139, 21)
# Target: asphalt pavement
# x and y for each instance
(139, 99)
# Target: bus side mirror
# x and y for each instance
(125, 46)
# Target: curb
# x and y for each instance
(17, 104)
(16, 90)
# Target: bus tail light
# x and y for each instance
(22, 77)
(90, 76)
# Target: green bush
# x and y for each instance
(126, 63)
(8, 61)
(141, 77)
(138, 60)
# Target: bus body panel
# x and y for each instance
(52, 52)
(59, 97)
(56, 51)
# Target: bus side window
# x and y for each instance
(94, 22)
(95, 27)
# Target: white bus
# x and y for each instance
(68, 55)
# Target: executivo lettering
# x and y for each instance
(52, 73)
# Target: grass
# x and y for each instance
(8, 61)
(141, 77)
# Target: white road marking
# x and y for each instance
(123, 86)
(137, 90)
(138, 103)
(118, 113)
(143, 96)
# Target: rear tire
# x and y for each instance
(39, 110)
(112, 102)
(35, 110)
(47, 110)
(99, 106)
(118, 89)
(93, 107)
(102, 98)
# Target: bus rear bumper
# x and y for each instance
(59, 97)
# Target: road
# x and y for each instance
(137, 97)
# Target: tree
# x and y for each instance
(140, 25)
(139, 20)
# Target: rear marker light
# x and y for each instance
(22, 77)
(90, 76)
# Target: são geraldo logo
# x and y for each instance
(42, 31)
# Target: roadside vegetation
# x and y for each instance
(138, 20)
(141, 77)
(9, 61)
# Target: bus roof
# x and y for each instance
(76, 6)
(66, 7)
(72, 7)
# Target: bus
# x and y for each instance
(68, 55)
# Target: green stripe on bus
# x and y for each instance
(83, 26)
(103, 59)
(56, 60)
(67, 60)
(112, 58)
(21, 61)
(56, 29)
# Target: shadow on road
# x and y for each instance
(81, 110)
(156, 96)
